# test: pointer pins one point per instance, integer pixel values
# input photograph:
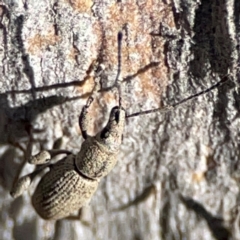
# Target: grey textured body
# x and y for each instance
(105, 158)
(71, 182)
(62, 190)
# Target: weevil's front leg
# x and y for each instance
(83, 119)
(24, 182)
(27, 154)
(45, 156)
(42, 158)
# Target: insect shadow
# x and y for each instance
(216, 224)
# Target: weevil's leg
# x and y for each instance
(45, 156)
(27, 153)
(63, 228)
(75, 217)
(23, 183)
(83, 119)
(81, 216)
(17, 145)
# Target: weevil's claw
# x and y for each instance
(22, 184)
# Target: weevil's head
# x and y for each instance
(111, 135)
(97, 156)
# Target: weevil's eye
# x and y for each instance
(117, 116)
(105, 133)
(115, 113)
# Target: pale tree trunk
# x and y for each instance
(177, 174)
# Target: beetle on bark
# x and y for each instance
(71, 182)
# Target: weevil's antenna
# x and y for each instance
(119, 39)
(170, 107)
(117, 80)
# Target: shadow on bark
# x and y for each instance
(215, 224)
(212, 40)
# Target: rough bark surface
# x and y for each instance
(177, 175)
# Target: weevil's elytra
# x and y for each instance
(62, 190)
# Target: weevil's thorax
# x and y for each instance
(98, 155)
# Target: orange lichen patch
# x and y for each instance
(81, 5)
(86, 88)
(94, 113)
(148, 86)
(118, 16)
(164, 14)
(109, 97)
(98, 32)
(73, 53)
(138, 20)
(39, 42)
(153, 82)
(167, 15)
(97, 29)
(198, 177)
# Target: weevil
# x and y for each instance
(71, 182)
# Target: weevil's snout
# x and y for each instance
(112, 133)
(116, 118)
(117, 114)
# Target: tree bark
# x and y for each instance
(177, 175)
